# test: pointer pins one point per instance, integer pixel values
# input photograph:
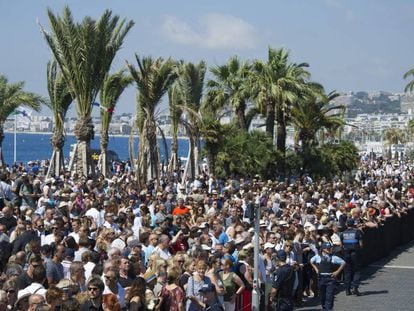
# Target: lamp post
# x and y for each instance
(256, 287)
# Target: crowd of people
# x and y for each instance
(78, 243)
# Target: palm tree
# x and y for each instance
(175, 106)
(410, 86)
(394, 136)
(315, 113)
(277, 83)
(191, 84)
(12, 97)
(112, 88)
(84, 52)
(230, 87)
(60, 101)
(153, 79)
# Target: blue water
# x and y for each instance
(37, 147)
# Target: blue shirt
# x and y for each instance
(335, 259)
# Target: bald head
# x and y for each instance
(35, 300)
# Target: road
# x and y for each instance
(385, 285)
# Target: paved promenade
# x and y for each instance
(386, 285)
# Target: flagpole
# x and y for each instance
(15, 140)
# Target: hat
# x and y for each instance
(214, 192)
(203, 225)
(22, 294)
(281, 255)
(207, 288)
(283, 223)
(269, 245)
(205, 247)
(326, 245)
(248, 246)
(350, 222)
(63, 204)
(64, 283)
(263, 224)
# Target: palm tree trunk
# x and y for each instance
(173, 165)
(148, 154)
(270, 119)
(191, 158)
(185, 173)
(84, 133)
(281, 132)
(56, 162)
(197, 148)
(164, 141)
(2, 164)
(241, 117)
(103, 157)
(131, 150)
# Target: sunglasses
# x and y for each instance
(108, 278)
(10, 291)
(92, 289)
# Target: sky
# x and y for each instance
(350, 45)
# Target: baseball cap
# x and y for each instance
(207, 288)
(281, 255)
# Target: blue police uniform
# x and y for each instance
(283, 281)
(327, 264)
(350, 239)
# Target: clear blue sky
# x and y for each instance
(351, 45)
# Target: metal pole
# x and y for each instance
(15, 140)
(256, 287)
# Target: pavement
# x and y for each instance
(385, 285)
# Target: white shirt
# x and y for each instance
(75, 236)
(49, 239)
(88, 269)
(35, 288)
(94, 213)
(78, 253)
(164, 254)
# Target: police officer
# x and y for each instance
(281, 296)
(328, 267)
(351, 239)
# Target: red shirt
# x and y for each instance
(180, 210)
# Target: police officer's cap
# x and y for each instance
(350, 222)
(326, 246)
(281, 255)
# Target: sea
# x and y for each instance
(37, 146)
